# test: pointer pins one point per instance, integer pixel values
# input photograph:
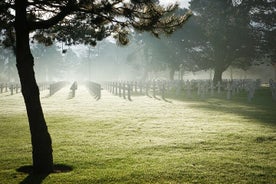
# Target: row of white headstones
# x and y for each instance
(232, 87)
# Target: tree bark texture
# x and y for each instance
(217, 75)
(40, 138)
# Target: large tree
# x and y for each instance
(227, 35)
(72, 22)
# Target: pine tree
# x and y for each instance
(72, 22)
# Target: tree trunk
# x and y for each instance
(40, 138)
(172, 72)
(217, 75)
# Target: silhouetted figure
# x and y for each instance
(73, 88)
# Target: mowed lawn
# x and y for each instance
(145, 140)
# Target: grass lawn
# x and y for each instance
(184, 140)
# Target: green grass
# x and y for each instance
(186, 140)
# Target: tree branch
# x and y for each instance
(45, 24)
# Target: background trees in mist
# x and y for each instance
(219, 35)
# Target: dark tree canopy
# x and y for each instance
(88, 21)
(226, 35)
(262, 15)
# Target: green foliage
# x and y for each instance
(226, 34)
(262, 16)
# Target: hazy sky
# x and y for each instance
(182, 3)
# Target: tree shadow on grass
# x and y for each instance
(262, 108)
(263, 115)
(33, 178)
